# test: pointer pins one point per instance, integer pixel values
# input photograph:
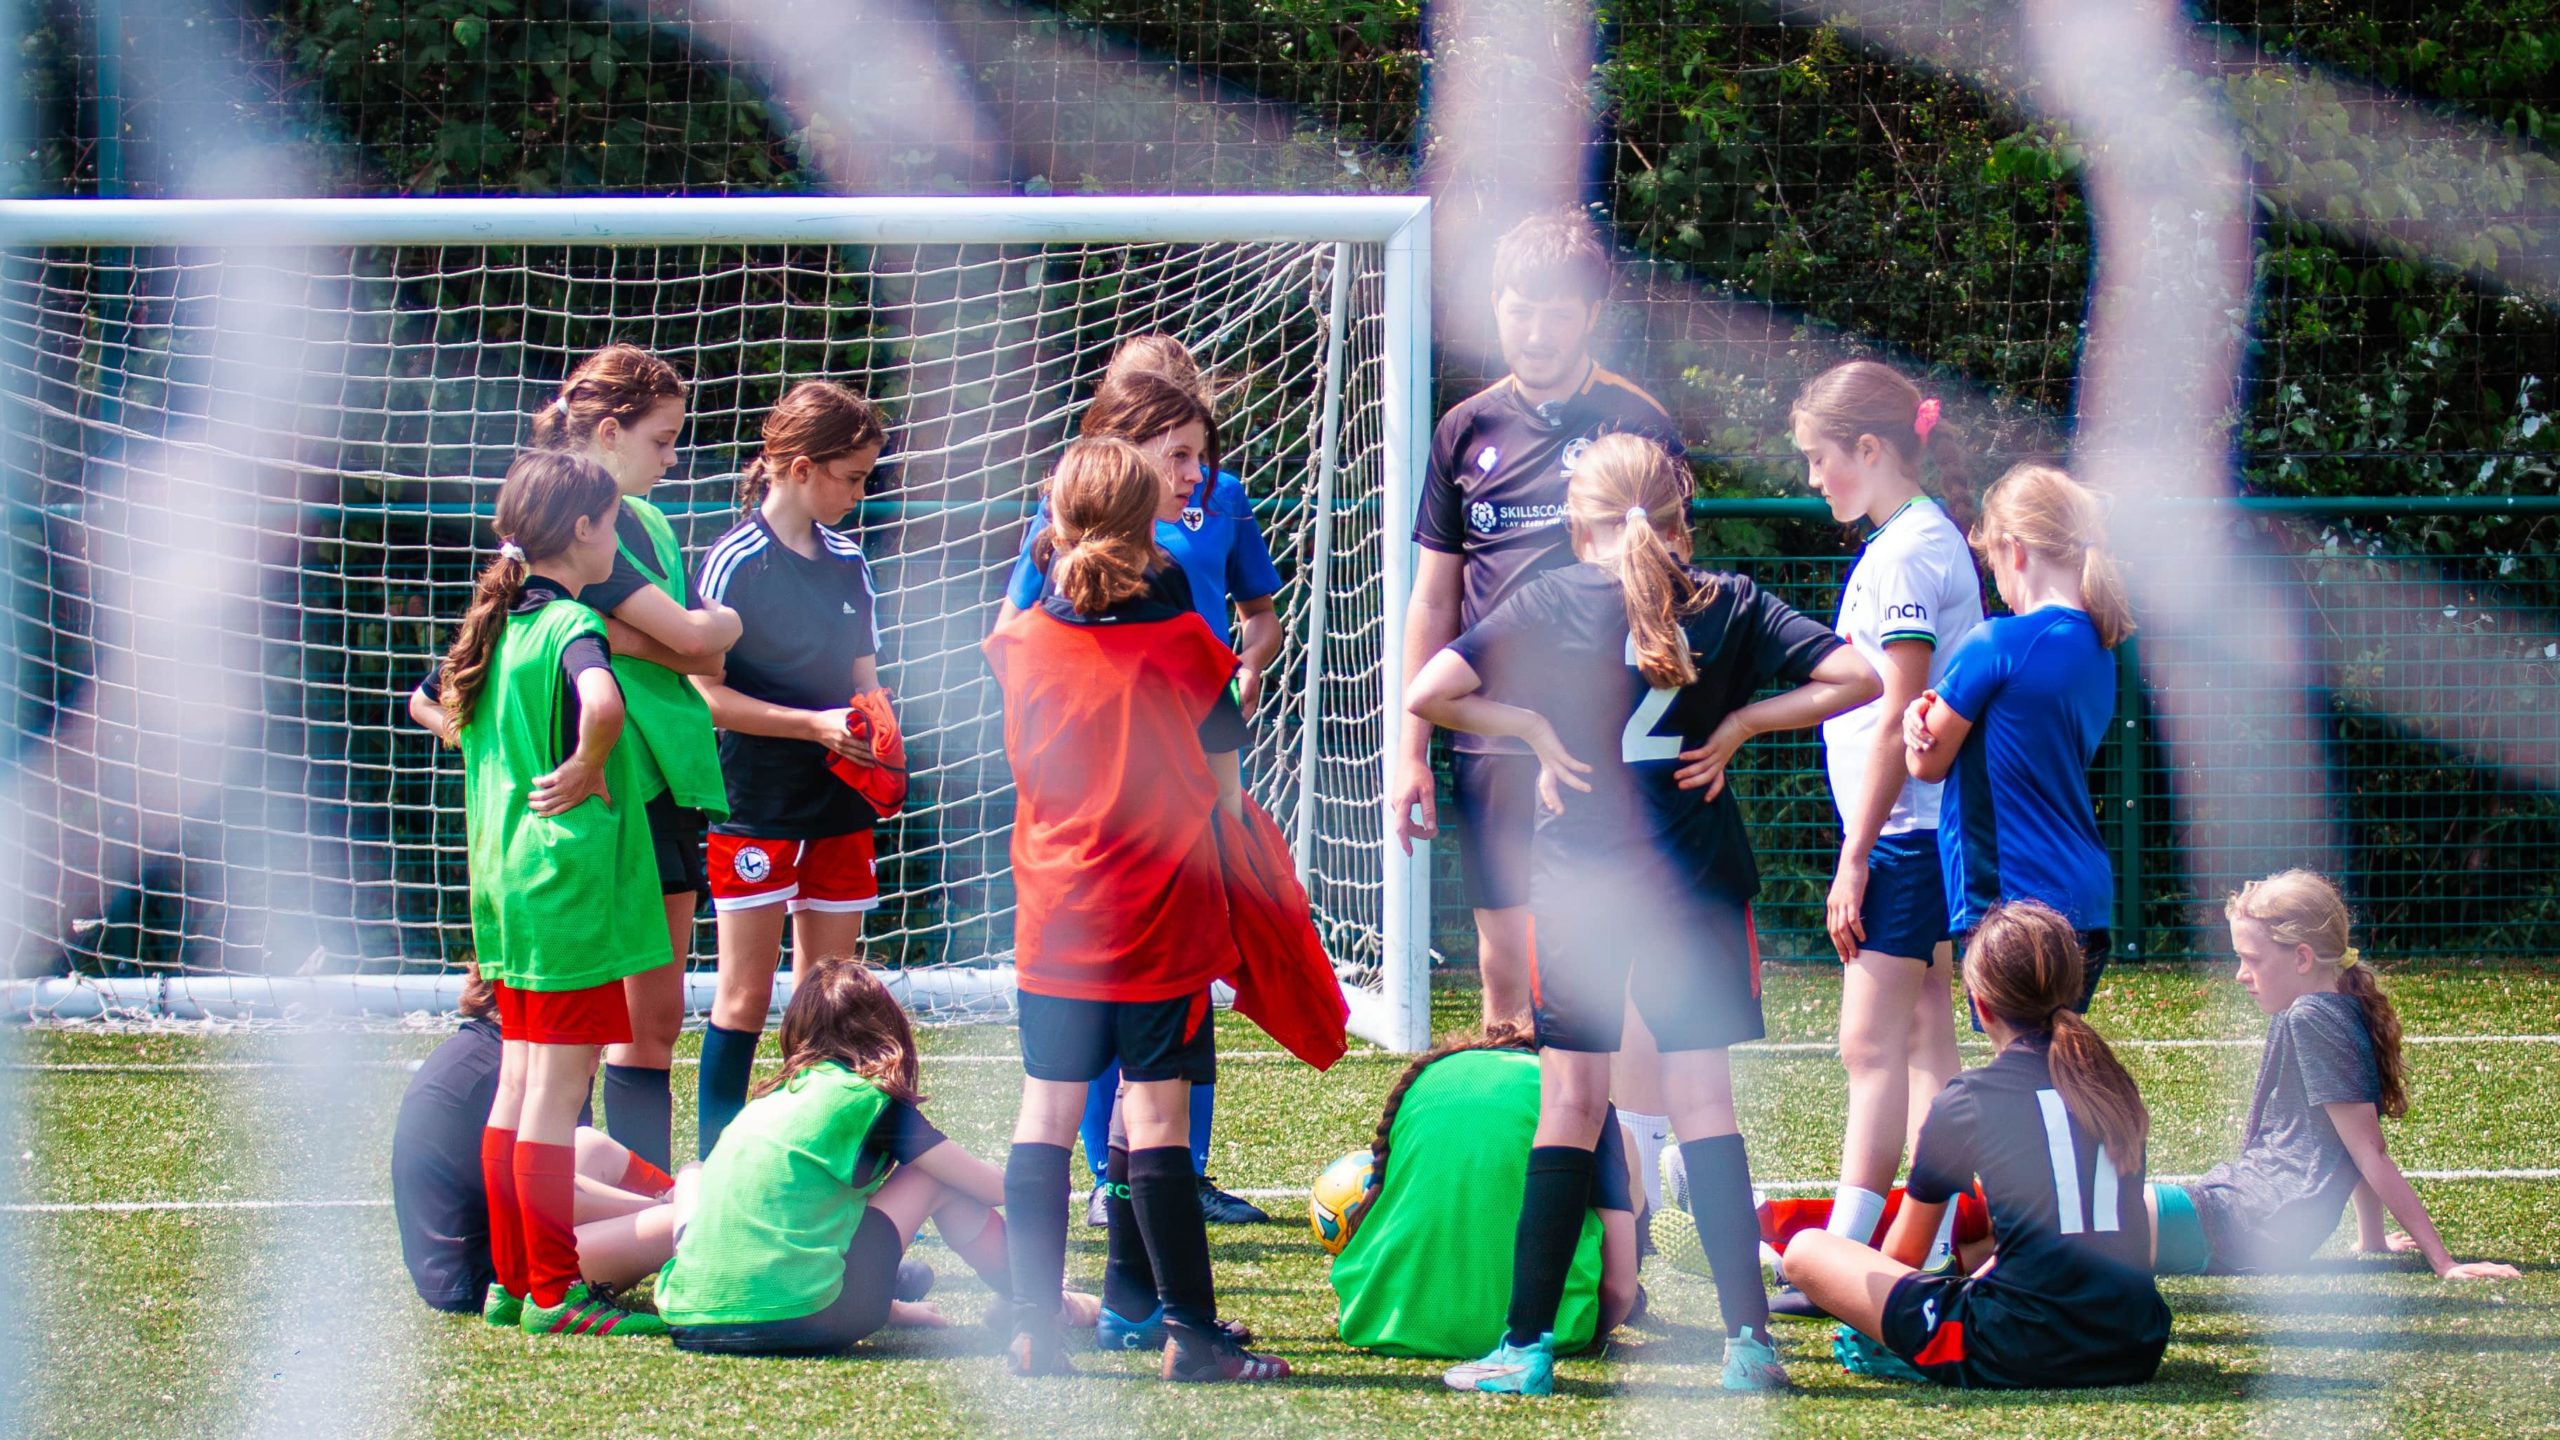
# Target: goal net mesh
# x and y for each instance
(330, 844)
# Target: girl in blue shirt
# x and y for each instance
(1153, 396)
(2015, 721)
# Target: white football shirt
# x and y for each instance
(1914, 581)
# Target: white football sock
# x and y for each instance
(1855, 1213)
(1646, 1135)
(1945, 1245)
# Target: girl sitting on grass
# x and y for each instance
(790, 1241)
(2331, 1070)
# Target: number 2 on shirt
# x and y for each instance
(1638, 742)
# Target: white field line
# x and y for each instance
(1773, 1187)
(1754, 1047)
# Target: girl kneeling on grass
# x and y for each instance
(2331, 1070)
(789, 1244)
(1451, 1157)
(564, 892)
(2056, 1132)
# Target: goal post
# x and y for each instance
(328, 391)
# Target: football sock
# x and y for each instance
(642, 1178)
(506, 1216)
(639, 1112)
(1944, 1247)
(1855, 1212)
(1095, 1128)
(546, 1191)
(728, 1060)
(1728, 1228)
(1552, 1205)
(1035, 1207)
(1165, 1192)
(1204, 1109)
(1646, 1135)
(1128, 1277)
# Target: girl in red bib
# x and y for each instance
(1115, 696)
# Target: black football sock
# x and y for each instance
(1552, 1204)
(640, 1112)
(1165, 1192)
(1728, 1229)
(728, 1060)
(1128, 1278)
(1035, 1208)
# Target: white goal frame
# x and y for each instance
(1398, 1015)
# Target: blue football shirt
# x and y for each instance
(1217, 544)
(2015, 820)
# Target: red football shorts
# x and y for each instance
(835, 874)
(597, 1015)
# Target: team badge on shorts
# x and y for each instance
(1193, 517)
(1480, 515)
(752, 864)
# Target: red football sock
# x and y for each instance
(642, 1178)
(1783, 1220)
(547, 1190)
(506, 1215)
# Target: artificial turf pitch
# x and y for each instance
(191, 1321)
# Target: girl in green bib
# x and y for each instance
(1428, 1272)
(563, 894)
(623, 408)
(789, 1238)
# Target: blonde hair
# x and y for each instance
(1631, 482)
(1156, 353)
(2304, 908)
(2062, 520)
(1102, 541)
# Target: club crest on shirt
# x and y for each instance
(1193, 517)
(752, 864)
(1481, 515)
(1573, 452)
(1487, 458)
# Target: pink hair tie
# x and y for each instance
(1926, 420)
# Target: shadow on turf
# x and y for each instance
(2180, 1382)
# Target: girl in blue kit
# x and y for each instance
(1153, 396)
(2015, 719)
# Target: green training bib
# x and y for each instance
(1429, 1270)
(670, 726)
(563, 902)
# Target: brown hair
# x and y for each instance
(2024, 965)
(1501, 1035)
(1101, 543)
(840, 1011)
(2303, 907)
(1163, 355)
(1143, 404)
(1615, 476)
(2059, 518)
(545, 495)
(620, 383)
(1862, 397)
(815, 418)
(479, 997)
(1554, 254)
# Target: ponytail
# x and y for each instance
(2304, 907)
(1630, 482)
(545, 495)
(621, 383)
(2061, 520)
(1501, 1035)
(1102, 501)
(2024, 965)
(1864, 397)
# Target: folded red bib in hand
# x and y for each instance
(884, 782)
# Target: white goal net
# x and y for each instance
(302, 411)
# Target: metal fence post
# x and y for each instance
(2127, 759)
